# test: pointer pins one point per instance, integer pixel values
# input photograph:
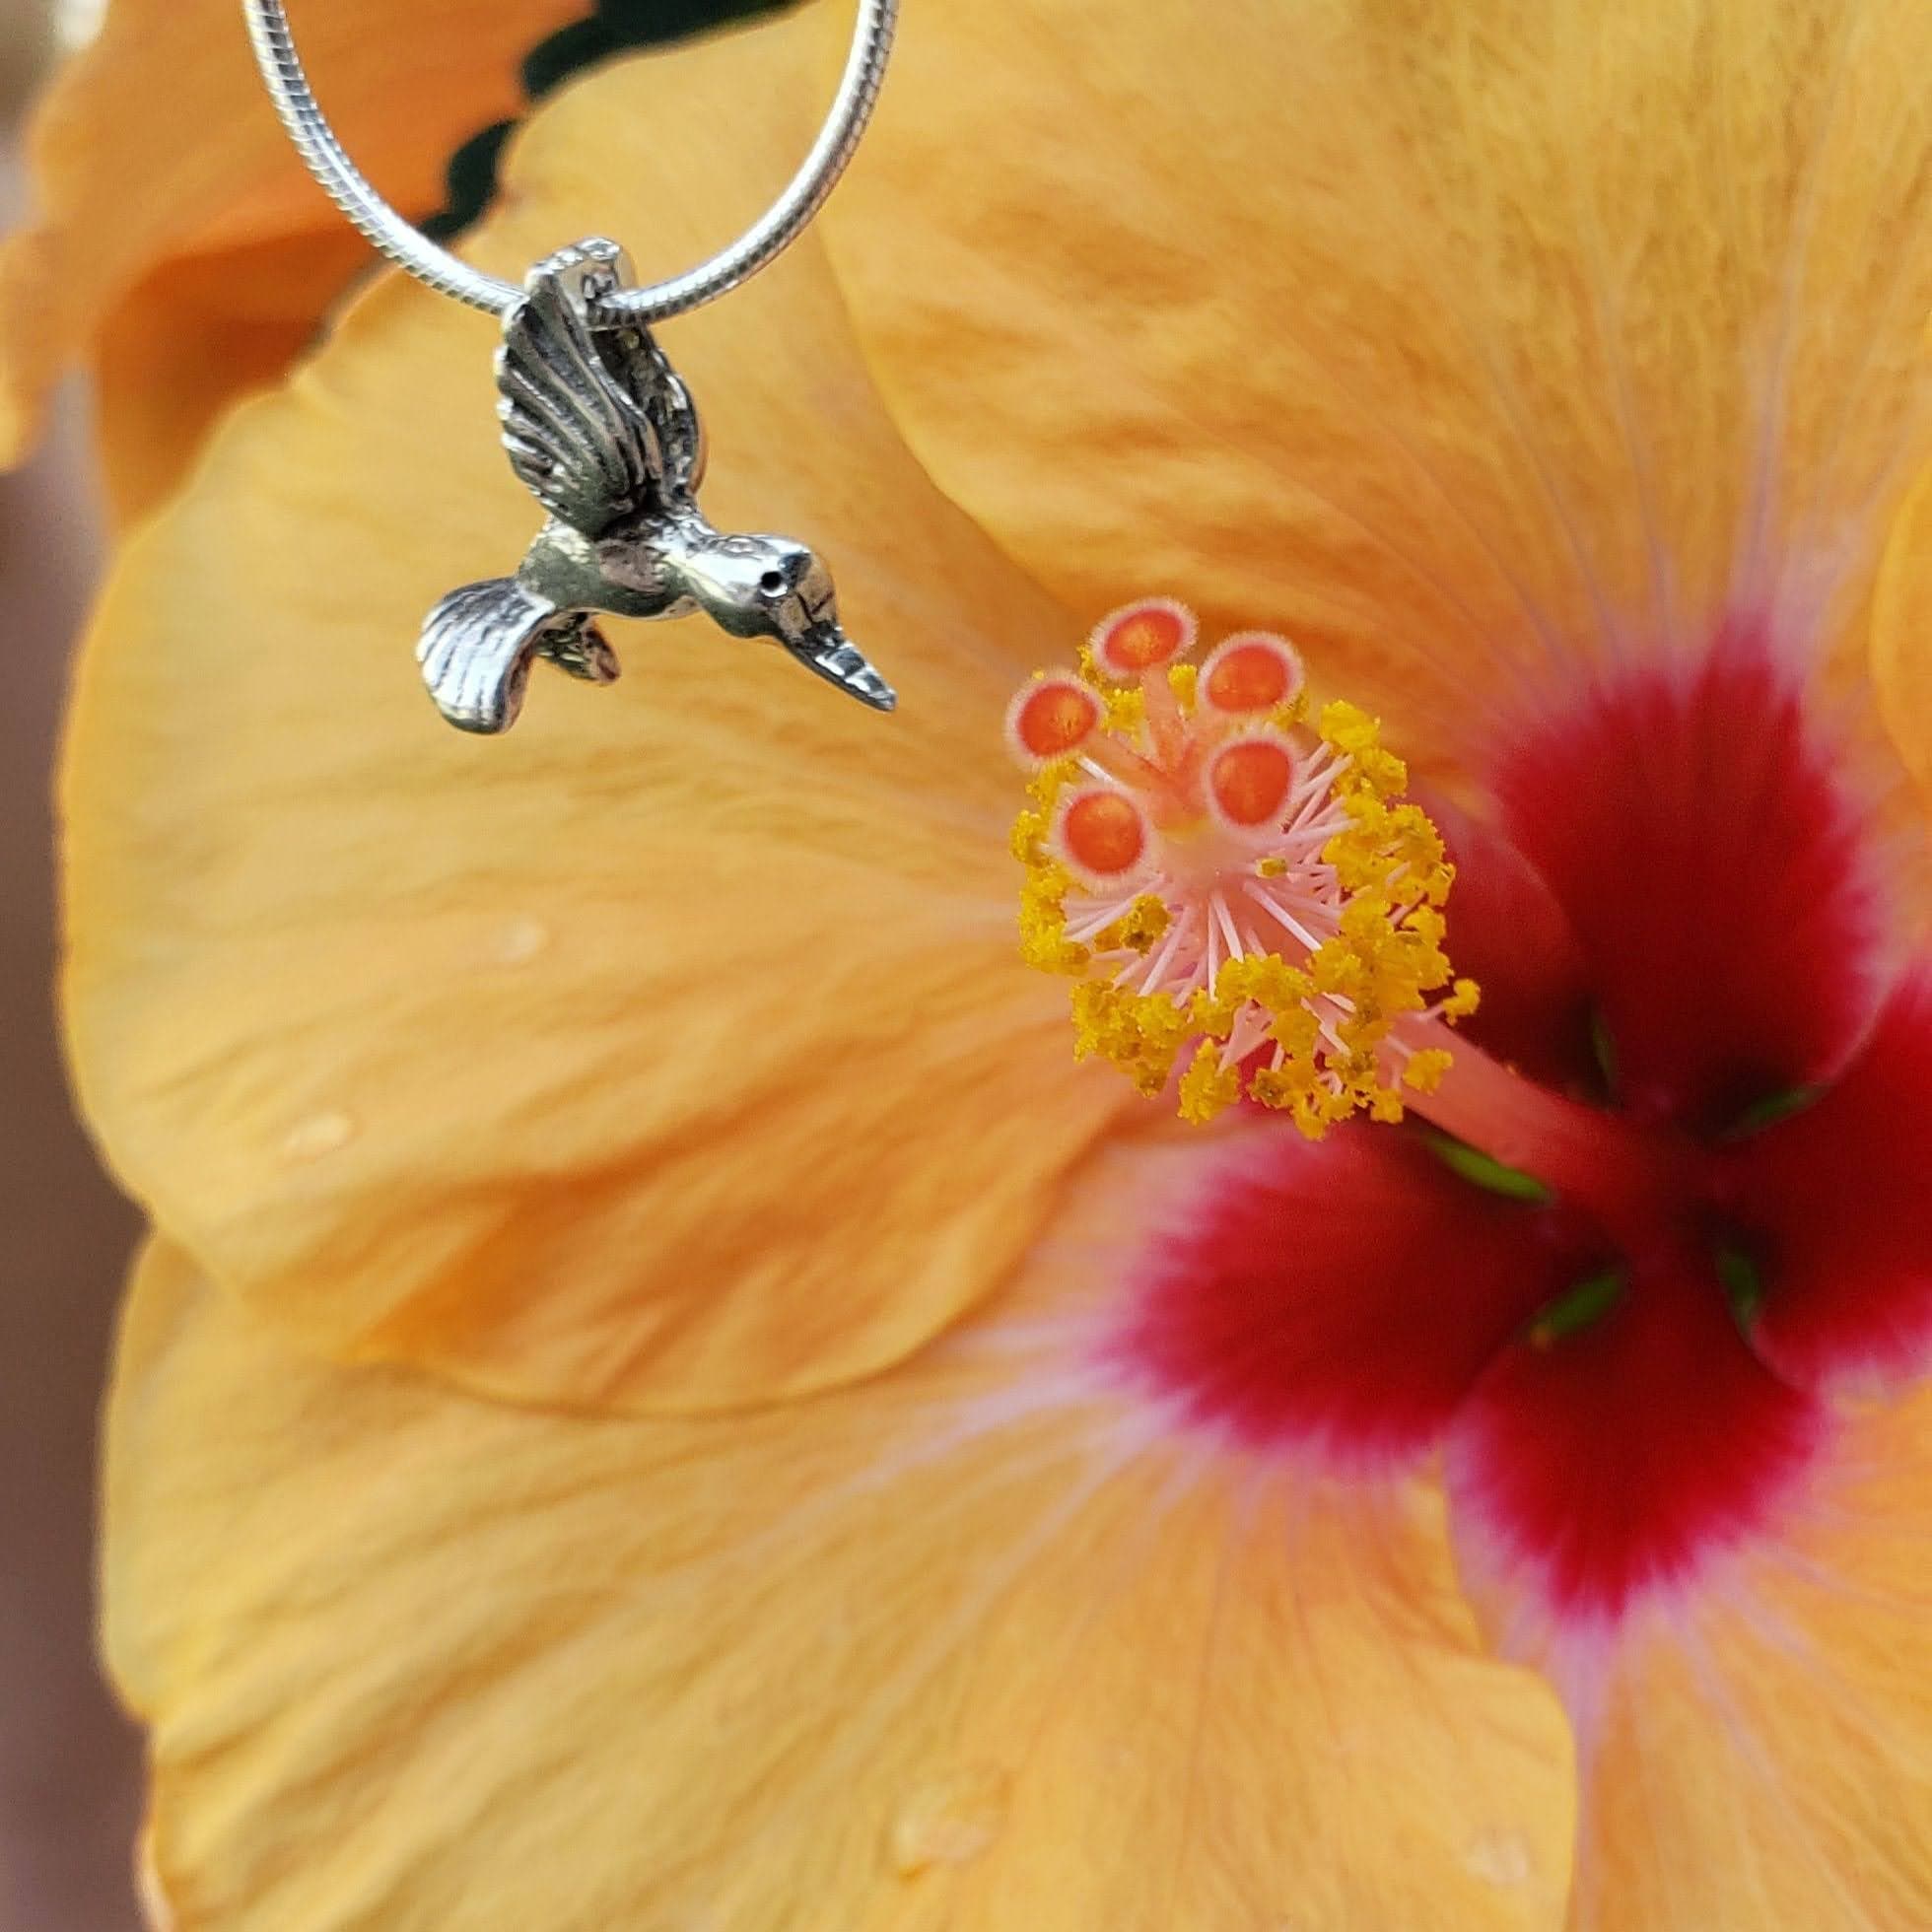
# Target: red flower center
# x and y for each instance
(1717, 1115)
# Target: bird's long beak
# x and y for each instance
(826, 649)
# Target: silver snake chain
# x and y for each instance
(775, 230)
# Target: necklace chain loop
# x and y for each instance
(405, 244)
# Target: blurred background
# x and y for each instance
(69, 1779)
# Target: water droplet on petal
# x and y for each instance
(949, 1820)
(316, 1134)
(518, 942)
(1501, 1858)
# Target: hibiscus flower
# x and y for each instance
(663, 1393)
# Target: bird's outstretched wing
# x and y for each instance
(672, 415)
(587, 415)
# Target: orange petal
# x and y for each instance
(198, 331)
(675, 1049)
(1450, 342)
(1901, 635)
(1765, 1759)
(156, 148)
(947, 1648)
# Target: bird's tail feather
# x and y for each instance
(478, 641)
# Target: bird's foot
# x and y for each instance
(580, 648)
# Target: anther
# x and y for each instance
(1244, 904)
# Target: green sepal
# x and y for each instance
(1580, 1307)
(1767, 1112)
(1604, 1049)
(1742, 1282)
(1482, 1170)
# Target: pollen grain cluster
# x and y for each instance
(1245, 904)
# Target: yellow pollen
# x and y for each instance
(1136, 928)
(1264, 961)
(1126, 710)
(1425, 1069)
(1208, 1085)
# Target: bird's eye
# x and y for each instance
(772, 582)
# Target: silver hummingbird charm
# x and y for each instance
(603, 432)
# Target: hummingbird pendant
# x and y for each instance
(603, 432)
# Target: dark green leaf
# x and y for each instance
(610, 27)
